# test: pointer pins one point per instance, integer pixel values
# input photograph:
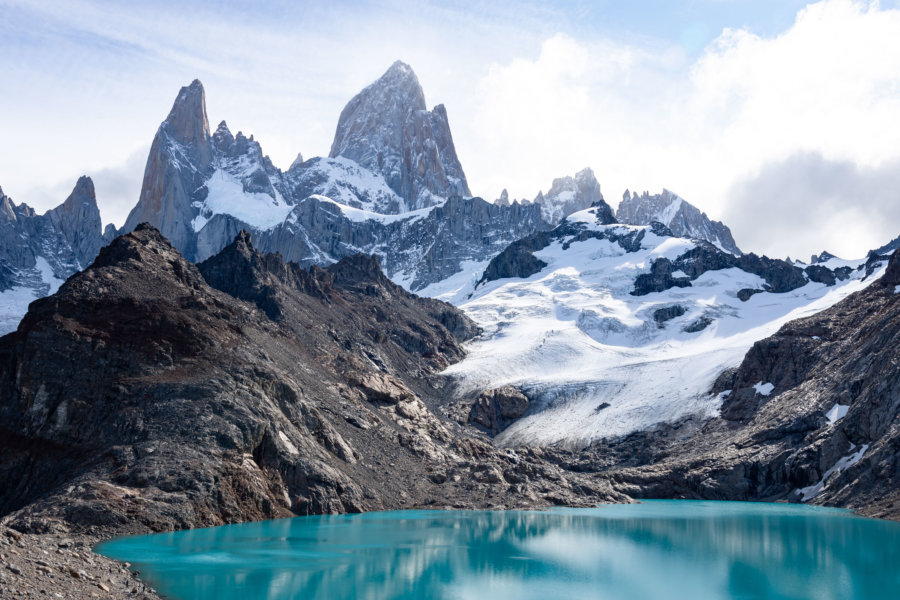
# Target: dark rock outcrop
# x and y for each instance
(780, 276)
(142, 396)
(495, 409)
(667, 313)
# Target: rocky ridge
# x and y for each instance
(392, 186)
(143, 397)
(518, 260)
(673, 211)
(811, 415)
(39, 252)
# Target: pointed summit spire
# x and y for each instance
(83, 192)
(187, 122)
(387, 129)
(78, 219)
(179, 162)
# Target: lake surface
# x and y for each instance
(657, 549)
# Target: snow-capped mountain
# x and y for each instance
(392, 187)
(387, 129)
(39, 252)
(568, 195)
(612, 328)
(673, 211)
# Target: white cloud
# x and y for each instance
(643, 119)
(807, 203)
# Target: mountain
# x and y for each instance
(150, 393)
(192, 175)
(609, 329)
(568, 195)
(393, 186)
(683, 218)
(38, 252)
(810, 414)
(387, 129)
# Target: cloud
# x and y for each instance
(119, 187)
(807, 201)
(645, 117)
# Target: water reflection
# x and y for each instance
(661, 549)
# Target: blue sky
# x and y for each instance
(722, 101)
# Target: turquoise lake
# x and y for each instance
(657, 549)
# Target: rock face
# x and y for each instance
(178, 166)
(390, 155)
(780, 275)
(145, 396)
(38, 252)
(387, 129)
(684, 219)
(495, 409)
(418, 250)
(568, 195)
(812, 415)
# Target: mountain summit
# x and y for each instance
(673, 211)
(386, 128)
(179, 162)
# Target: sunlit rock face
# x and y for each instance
(673, 211)
(387, 129)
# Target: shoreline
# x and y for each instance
(63, 565)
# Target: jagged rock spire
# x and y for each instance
(78, 219)
(179, 162)
(386, 128)
(187, 122)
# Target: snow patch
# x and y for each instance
(897, 289)
(764, 389)
(811, 491)
(358, 215)
(454, 289)
(836, 413)
(226, 196)
(14, 301)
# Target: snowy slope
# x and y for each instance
(592, 357)
(35, 283)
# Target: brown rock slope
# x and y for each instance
(152, 394)
(766, 447)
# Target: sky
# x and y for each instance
(778, 117)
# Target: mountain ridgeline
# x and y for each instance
(392, 185)
(242, 388)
